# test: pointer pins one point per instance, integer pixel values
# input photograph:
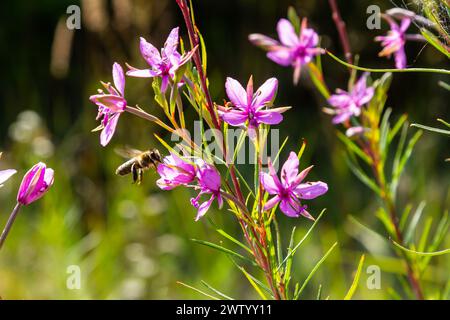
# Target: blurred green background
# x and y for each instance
(134, 242)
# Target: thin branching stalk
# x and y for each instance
(9, 224)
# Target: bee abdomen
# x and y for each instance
(125, 168)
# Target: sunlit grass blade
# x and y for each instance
(319, 293)
(430, 254)
(354, 285)
(253, 283)
(287, 269)
(313, 271)
(398, 125)
(258, 282)
(414, 221)
(352, 147)
(223, 249)
(431, 129)
(197, 290)
(362, 176)
(434, 41)
(445, 123)
(425, 233)
(292, 252)
(229, 237)
(223, 295)
(318, 80)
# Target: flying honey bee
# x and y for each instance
(140, 161)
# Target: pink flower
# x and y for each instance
(164, 64)
(289, 190)
(348, 104)
(35, 184)
(394, 41)
(110, 105)
(251, 109)
(5, 175)
(209, 183)
(174, 171)
(294, 50)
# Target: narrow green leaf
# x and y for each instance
(253, 283)
(434, 41)
(405, 216)
(431, 254)
(319, 292)
(352, 147)
(223, 295)
(444, 123)
(225, 250)
(444, 85)
(313, 271)
(354, 285)
(425, 233)
(398, 125)
(294, 19)
(384, 132)
(414, 221)
(362, 176)
(292, 252)
(431, 129)
(198, 290)
(229, 237)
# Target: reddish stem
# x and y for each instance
(342, 30)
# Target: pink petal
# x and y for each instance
(341, 100)
(289, 170)
(209, 177)
(281, 55)
(108, 131)
(265, 93)
(203, 208)
(143, 73)
(171, 44)
(286, 33)
(302, 175)
(119, 78)
(150, 53)
(6, 174)
(311, 190)
(268, 117)
(235, 117)
(236, 93)
(342, 116)
(290, 208)
(400, 58)
(306, 214)
(112, 102)
(269, 183)
(309, 38)
(164, 83)
(263, 41)
(271, 203)
(405, 24)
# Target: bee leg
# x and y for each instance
(140, 173)
(134, 172)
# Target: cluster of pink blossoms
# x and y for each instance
(247, 109)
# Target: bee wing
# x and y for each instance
(127, 152)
